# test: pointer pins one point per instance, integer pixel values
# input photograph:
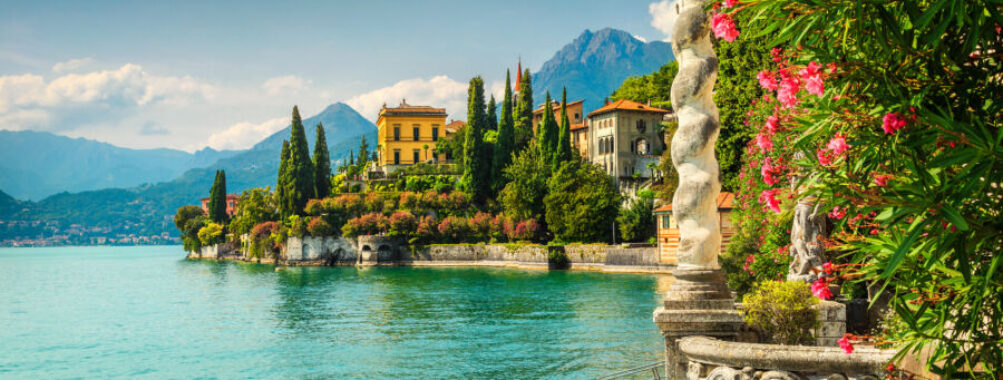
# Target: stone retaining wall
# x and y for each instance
(388, 250)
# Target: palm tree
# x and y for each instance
(651, 166)
(426, 151)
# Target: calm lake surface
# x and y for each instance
(103, 312)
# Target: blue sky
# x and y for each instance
(187, 74)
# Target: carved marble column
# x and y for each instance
(698, 302)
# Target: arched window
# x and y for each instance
(641, 146)
(641, 126)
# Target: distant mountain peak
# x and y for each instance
(595, 63)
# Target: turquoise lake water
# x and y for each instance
(144, 312)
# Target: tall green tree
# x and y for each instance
(547, 132)
(654, 87)
(351, 157)
(492, 116)
(523, 117)
(506, 139)
(563, 153)
(526, 185)
(301, 174)
(322, 165)
(363, 151)
(581, 203)
(477, 167)
(217, 198)
(282, 186)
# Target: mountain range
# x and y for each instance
(112, 188)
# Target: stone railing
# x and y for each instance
(712, 359)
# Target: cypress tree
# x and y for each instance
(322, 165)
(523, 117)
(301, 172)
(363, 151)
(217, 198)
(283, 179)
(563, 153)
(506, 138)
(547, 132)
(476, 168)
(351, 157)
(492, 117)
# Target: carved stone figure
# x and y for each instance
(807, 249)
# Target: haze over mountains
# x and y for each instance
(145, 187)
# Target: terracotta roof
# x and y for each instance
(556, 105)
(725, 201)
(627, 105)
(407, 109)
(575, 127)
(455, 125)
(228, 196)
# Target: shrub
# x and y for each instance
(498, 227)
(525, 230)
(319, 227)
(262, 238)
(403, 223)
(427, 230)
(454, 229)
(410, 201)
(368, 224)
(374, 202)
(211, 234)
(636, 223)
(782, 310)
(480, 225)
(297, 225)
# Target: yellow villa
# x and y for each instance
(407, 134)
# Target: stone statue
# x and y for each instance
(807, 249)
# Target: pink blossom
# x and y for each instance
(892, 122)
(811, 70)
(764, 143)
(769, 197)
(832, 67)
(837, 213)
(729, 3)
(775, 54)
(787, 93)
(838, 145)
(845, 344)
(724, 27)
(767, 80)
(772, 123)
(827, 267)
(820, 288)
(767, 172)
(814, 85)
(823, 157)
(881, 180)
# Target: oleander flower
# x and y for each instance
(729, 3)
(820, 288)
(845, 344)
(764, 143)
(772, 123)
(787, 94)
(838, 144)
(892, 122)
(837, 213)
(815, 85)
(767, 80)
(827, 267)
(767, 172)
(823, 157)
(724, 27)
(881, 180)
(769, 198)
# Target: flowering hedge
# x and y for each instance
(888, 114)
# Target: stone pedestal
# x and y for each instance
(697, 303)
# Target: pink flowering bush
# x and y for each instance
(891, 113)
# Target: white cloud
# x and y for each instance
(663, 17)
(73, 100)
(244, 135)
(639, 38)
(72, 65)
(285, 84)
(439, 91)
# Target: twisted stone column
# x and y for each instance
(698, 302)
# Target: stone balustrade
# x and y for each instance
(711, 359)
